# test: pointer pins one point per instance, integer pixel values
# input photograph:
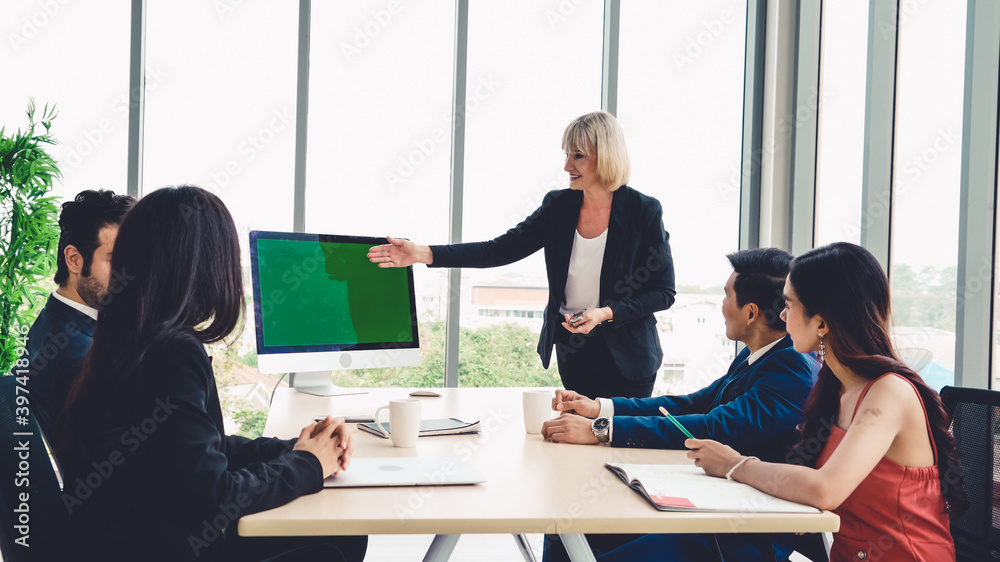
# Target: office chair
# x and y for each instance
(975, 424)
(25, 468)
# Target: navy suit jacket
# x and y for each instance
(758, 415)
(57, 343)
(637, 275)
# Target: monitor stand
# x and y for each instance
(318, 383)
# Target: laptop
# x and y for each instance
(405, 471)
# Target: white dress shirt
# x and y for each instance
(92, 312)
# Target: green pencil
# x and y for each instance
(675, 422)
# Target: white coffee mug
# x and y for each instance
(537, 409)
(404, 421)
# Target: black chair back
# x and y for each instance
(32, 518)
(975, 424)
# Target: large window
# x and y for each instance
(840, 146)
(926, 183)
(380, 94)
(532, 69)
(681, 105)
(995, 379)
(50, 51)
(221, 84)
(220, 114)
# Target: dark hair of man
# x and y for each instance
(80, 224)
(179, 257)
(760, 279)
(846, 286)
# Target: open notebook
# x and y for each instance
(678, 487)
(405, 471)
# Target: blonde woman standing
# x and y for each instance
(606, 254)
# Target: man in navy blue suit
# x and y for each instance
(756, 406)
(64, 329)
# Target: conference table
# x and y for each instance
(532, 485)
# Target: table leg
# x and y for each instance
(441, 548)
(577, 548)
(524, 547)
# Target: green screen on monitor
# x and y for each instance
(320, 292)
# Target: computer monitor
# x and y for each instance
(320, 305)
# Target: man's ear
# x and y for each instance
(74, 259)
(753, 312)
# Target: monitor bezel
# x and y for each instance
(263, 350)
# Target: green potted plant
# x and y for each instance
(29, 229)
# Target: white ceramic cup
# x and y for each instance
(404, 421)
(537, 409)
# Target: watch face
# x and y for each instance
(600, 424)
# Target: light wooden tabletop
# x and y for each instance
(533, 486)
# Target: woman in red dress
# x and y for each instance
(875, 444)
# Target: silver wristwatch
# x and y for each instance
(601, 428)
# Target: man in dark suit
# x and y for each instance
(64, 329)
(755, 406)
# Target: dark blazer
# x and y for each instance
(174, 485)
(637, 275)
(753, 409)
(57, 343)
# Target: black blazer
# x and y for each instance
(637, 275)
(174, 485)
(57, 343)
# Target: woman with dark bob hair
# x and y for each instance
(875, 437)
(149, 472)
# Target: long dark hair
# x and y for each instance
(846, 286)
(175, 269)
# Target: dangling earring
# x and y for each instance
(822, 349)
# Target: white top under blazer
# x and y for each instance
(583, 281)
